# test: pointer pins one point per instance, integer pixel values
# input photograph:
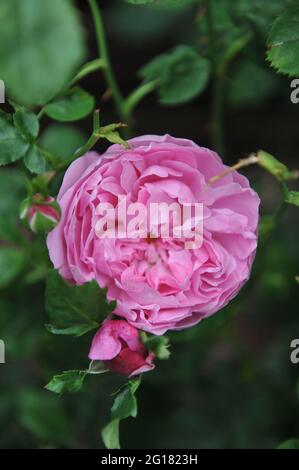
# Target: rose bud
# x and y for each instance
(119, 346)
(42, 213)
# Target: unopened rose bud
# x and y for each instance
(42, 213)
(119, 346)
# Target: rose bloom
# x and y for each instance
(119, 346)
(158, 283)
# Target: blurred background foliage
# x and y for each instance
(229, 382)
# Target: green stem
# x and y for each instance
(41, 113)
(217, 90)
(211, 32)
(283, 205)
(104, 55)
(87, 69)
(91, 141)
(232, 52)
(137, 95)
(284, 190)
(217, 114)
(218, 100)
(220, 65)
(277, 214)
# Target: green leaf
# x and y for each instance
(182, 74)
(40, 183)
(12, 145)
(283, 42)
(227, 30)
(125, 405)
(35, 160)
(159, 345)
(69, 381)
(12, 262)
(75, 310)
(73, 105)
(289, 444)
(27, 124)
(109, 132)
(260, 14)
(110, 435)
(41, 45)
(106, 132)
(293, 198)
(62, 140)
(134, 383)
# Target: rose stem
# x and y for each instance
(250, 160)
(104, 55)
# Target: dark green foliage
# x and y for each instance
(75, 310)
(229, 382)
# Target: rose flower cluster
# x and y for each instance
(158, 283)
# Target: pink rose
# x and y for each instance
(42, 213)
(158, 283)
(118, 345)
